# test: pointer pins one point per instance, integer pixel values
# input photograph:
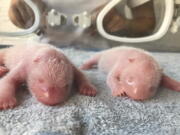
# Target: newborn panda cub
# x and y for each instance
(131, 72)
(46, 70)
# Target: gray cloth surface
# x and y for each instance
(100, 115)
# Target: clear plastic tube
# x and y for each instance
(30, 30)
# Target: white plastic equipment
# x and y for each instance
(168, 18)
(30, 30)
(85, 21)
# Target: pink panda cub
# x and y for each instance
(48, 73)
(131, 72)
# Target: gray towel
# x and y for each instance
(100, 115)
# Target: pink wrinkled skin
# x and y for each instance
(46, 70)
(131, 72)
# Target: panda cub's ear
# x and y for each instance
(36, 59)
(42, 54)
(131, 60)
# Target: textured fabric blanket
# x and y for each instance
(100, 115)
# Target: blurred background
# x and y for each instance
(5, 24)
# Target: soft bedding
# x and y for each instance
(100, 115)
